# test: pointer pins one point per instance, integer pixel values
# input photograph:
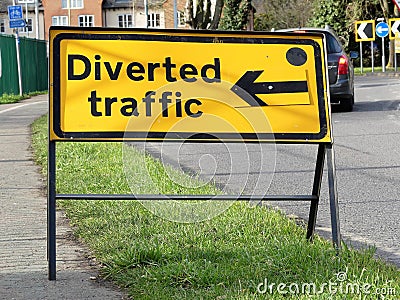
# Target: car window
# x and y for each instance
(332, 44)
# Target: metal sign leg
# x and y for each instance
(319, 168)
(51, 212)
(333, 199)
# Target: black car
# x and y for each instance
(340, 68)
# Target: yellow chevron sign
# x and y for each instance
(394, 27)
(165, 84)
(364, 30)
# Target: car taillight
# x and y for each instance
(343, 65)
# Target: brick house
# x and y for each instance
(97, 13)
(112, 13)
(168, 8)
(85, 13)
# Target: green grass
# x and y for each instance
(10, 98)
(357, 70)
(226, 257)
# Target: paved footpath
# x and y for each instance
(23, 222)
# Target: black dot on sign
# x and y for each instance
(296, 56)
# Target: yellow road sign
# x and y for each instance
(394, 28)
(397, 43)
(364, 30)
(152, 85)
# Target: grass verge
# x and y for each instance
(244, 253)
(357, 70)
(10, 98)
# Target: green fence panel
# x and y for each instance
(8, 66)
(34, 70)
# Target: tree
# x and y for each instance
(358, 10)
(385, 8)
(281, 14)
(219, 5)
(333, 14)
(392, 48)
(342, 14)
(236, 14)
(389, 10)
(200, 18)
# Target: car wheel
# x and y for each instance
(346, 104)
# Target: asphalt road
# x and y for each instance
(367, 152)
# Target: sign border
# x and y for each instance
(199, 36)
(392, 36)
(372, 22)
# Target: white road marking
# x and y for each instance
(20, 106)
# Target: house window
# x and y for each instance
(153, 20)
(181, 19)
(86, 21)
(59, 21)
(2, 26)
(28, 27)
(72, 3)
(125, 21)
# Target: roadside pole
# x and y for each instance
(333, 197)
(383, 56)
(18, 61)
(146, 13)
(133, 13)
(361, 57)
(26, 18)
(15, 14)
(395, 55)
(372, 56)
(175, 14)
(382, 30)
(37, 18)
(69, 12)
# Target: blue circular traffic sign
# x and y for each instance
(382, 29)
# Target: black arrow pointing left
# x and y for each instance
(246, 86)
